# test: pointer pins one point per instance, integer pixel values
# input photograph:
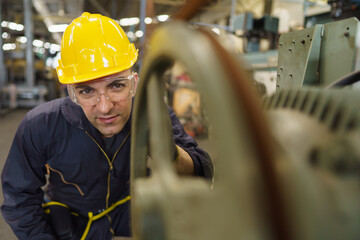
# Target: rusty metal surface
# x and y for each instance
(246, 98)
(189, 10)
(240, 146)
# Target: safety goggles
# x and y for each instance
(114, 89)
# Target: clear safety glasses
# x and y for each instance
(114, 89)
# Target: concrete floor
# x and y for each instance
(8, 125)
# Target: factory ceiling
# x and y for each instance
(53, 12)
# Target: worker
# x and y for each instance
(70, 158)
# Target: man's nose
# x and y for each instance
(104, 104)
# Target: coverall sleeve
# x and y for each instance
(22, 178)
(202, 161)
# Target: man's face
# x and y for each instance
(108, 116)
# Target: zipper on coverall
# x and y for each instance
(111, 167)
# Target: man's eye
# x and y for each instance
(118, 85)
(85, 91)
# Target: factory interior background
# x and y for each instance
(291, 54)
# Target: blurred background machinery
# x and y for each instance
(31, 32)
(341, 9)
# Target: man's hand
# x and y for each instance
(183, 163)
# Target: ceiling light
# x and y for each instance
(55, 47)
(162, 18)
(148, 20)
(57, 28)
(15, 26)
(5, 35)
(42, 50)
(12, 26)
(129, 21)
(21, 39)
(9, 46)
(19, 27)
(47, 45)
(139, 33)
(130, 35)
(38, 43)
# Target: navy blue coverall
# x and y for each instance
(57, 138)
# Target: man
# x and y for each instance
(83, 143)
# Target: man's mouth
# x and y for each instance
(107, 119)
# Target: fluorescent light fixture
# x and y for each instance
(4, 23)
(5, 35)
(38, 43)
(15, 26)
(162, 18)
(148, 20)
(21, 39)
(9, 46)
(12, 25)
(19, 27)
(47, 45)
(139, 33)
(40, 50)
(55, 47)
(129, 21)
(130, 35)
(57, 28)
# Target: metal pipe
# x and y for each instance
(80, 7)
(142, 20)
(113, 9)
(143, 29)
(99, 7)
(3, 72)
(232, 14)
(29, 34)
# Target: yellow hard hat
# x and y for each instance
(94, 46)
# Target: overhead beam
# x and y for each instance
(170, 3)
(114, 9)
(55, 18)
(42, 8)
(98, 6)
(167, 2)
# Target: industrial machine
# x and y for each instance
(286, 165)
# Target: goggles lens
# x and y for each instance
(116, 89)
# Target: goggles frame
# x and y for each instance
(74, 98)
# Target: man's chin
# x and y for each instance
(108, 136)
(109, 132)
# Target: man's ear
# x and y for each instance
(136, 78)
